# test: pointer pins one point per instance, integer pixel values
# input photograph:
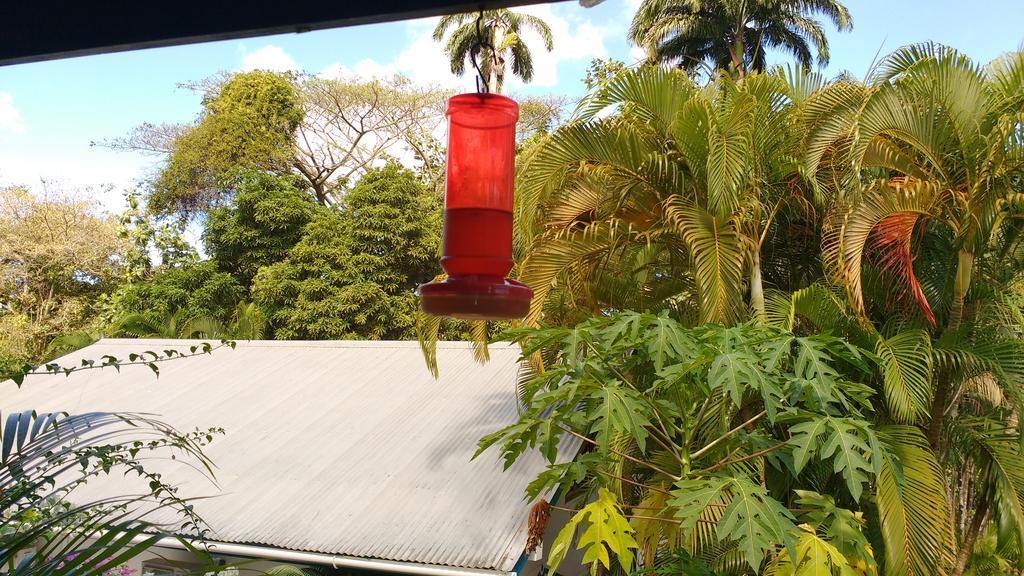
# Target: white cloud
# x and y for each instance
(423, 60)
(575, 38)
(10, 119)
(269, 57)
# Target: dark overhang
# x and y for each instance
(35, 30)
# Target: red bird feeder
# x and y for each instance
(476, 250)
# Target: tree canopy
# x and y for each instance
(495, 43)
(734, 34)
(249, 122)
(57, 254)
(352, 273)
(264, 219)
(752, 218)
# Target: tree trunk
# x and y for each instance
(320, 192)
(961, 285)
(497, 79)
(497, 62)
(938, 414)
(757, 287)
(977, 523)
(736, 55)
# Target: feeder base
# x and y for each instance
(476, 298)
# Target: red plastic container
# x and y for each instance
(476, 251)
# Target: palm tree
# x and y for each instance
(734, 34)
(247, 322)
(924, 239)
(667, 203)
(493, 40)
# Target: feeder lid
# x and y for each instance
(476, 298)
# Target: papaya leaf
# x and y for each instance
(604, 529)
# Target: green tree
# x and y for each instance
(196, 291)
(249, 122)
(917, 263)
(144, 233)
(923, 237)
(705, 443)
(264, 219)
(496, 46)
(328, 130)
(668, 202)
(246, 322)
(734, 34)
(353, 273)
(57, 254)
(393, 226)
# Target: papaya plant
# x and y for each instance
(746, 448)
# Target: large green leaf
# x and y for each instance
(911, 501)
(718, 256)
(752, 519)
(907, 372)
(604, 529)
(838, 439)
(756, 521)
(620, 410)
(735, 373)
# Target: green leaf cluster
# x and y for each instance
(706, 437)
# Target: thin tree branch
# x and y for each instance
(721, 438)
(626, 456)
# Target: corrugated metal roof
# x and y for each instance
(348, 448)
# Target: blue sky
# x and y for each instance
(51, 111)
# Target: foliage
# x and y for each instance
(604, 529)
(48, 460)
(249, 122)
(393, 227)
(143, 234)
(57, 254)
(194, 291)
(353, 273)
(734, 34)
(493, 40)
(601, 72)
(52, 523)
(538, 116)
(352, 124)
(883, 213)
(701, 436)
(264, 220)
(246, 322)
(669, 201)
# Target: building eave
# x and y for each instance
(256, 551)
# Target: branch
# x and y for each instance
(719, 440)
(633, 482)
(626, 456)
(758, 454)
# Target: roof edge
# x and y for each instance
(257, 551)
(356, 344)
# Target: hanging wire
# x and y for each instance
(481, 44)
